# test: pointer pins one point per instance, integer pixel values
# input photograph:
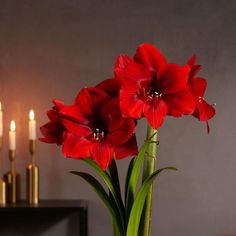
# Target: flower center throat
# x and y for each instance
(98, 134)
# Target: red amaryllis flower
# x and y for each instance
(97, 128)
(54, 129)
(152, 88)
(204, 111)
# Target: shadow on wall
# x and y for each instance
(38, 224)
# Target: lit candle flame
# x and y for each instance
(13, 125)
(31, 115)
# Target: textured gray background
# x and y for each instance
(51, 49)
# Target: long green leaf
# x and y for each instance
(127, 179)
(136, 211)
(112, 188)
(98, 188)
(134, 176)
(114, 175)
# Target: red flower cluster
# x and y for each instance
(93, 126)
(204, 111)
(101, 122)
(153, 88)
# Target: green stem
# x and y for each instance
(148, 168)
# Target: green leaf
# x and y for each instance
(134, 176)
(131, 164)
(136, 211)
(114, 175)
(112, 188)
(98, 188)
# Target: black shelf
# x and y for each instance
(23, 217)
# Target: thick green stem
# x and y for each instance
(148, 168)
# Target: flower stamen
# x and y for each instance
(200, 99)
(98, 134)
(158, 95)
(152, 95)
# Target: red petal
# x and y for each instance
(110, 86)
(53, 115)
(123, 133)
(194, 68)
(204, 111)
(76, 147)
(180, 103)
(129, 148)
(133, 76)
(172, 78)
(73, 113)
(208, 127)
(149, 56)
(111, 115)
(102, 153)
(122, 61)
(58, 104)
(198, 86)
(87, 105)
(131, 105)
(77, 129)
(46, 140)
(192, 60)
(52, 132)
(90, 100)
(155, 112)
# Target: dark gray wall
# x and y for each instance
(51, 49)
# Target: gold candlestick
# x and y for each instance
(32, 176)
(2, 192)
(2, 183)
(12, 180)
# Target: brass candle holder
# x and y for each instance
(2, 184)
(0, 143)
(32, 176)
(12, 180)
(2, 192)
